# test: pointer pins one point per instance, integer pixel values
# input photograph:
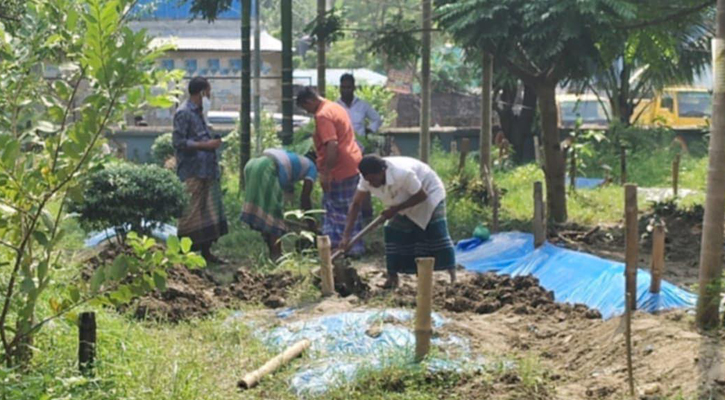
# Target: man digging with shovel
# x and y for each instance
(414, 197)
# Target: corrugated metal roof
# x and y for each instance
(363, 76)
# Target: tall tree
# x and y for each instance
(425, 84)
(708, 302)
(486, 111)
(287, 95)
(245, 127)
(637, 62)
(321, 43)
(541, 43)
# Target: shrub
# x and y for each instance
(162, 149)
(270, 139)
(123, 195)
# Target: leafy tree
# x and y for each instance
(637, 62)
(50, 133)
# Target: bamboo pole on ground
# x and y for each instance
(424, 302)
(465, 148)
(86, 342)
(628, 340)
(658, 257)
(539, 225)
(632, 243)
(328, 280)
(251, 379)
(675, 174)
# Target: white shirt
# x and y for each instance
(358, 111)
(404, 178)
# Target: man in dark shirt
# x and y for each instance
(197, 166)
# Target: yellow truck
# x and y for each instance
(680, 108)
(593, 112)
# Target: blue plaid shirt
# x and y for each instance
(190, 127)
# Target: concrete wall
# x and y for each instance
(447, 109)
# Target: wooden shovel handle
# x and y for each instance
(377, 221)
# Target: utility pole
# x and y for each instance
(425, 85)
(708, 301)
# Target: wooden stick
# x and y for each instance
(675, 174)
(623, 164)
(377, 221)
(628, 339)
(495, 209)
(572, 169)
(251, 379)
(539, 229)
(658, 257)
(454, 146)
(328, 280)
(632, 242)
(86, 342)
(424, 302)
(465, 148)
(537, 151)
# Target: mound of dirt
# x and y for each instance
(193, 293)
(488, 293)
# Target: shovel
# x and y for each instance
(376, 222)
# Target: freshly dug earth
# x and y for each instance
(193, 293)
(488, 293)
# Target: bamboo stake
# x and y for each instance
(632, 243)
(424, 301)
(675, 174)
(465, 148)
(628, 339)
(495, 210)
(251, 379)
(328, 280)
(539, 228)
(87, 343)
(572, 169)
(537, 151)
(658, 257)
(623, 164)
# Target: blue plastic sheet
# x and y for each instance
(341, 348)
(586, 183)
(95, 238)
(574, 277)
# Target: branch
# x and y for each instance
(65, 116)
(528, 77)
(670, 17)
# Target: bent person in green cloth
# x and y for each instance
(267, 179)
(414, 197)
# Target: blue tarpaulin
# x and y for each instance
(342, 347)
(574, 277)
(95, 238)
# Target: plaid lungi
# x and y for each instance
(337, 204)
(263, 197)
(203, 220)
(405, 241)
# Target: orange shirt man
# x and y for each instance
(338, 156)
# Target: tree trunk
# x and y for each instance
(245, 127)
(712, 230)
(425, 84)
(624, 93)
(554, 162)
(321, 9)
(257, 78)
(523, 132)
(287, 95)
(486, 110)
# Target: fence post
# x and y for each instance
(632, 243)
(86, 342)
(658, 256)
(539, 224)
(424, 302)
(328, 281)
